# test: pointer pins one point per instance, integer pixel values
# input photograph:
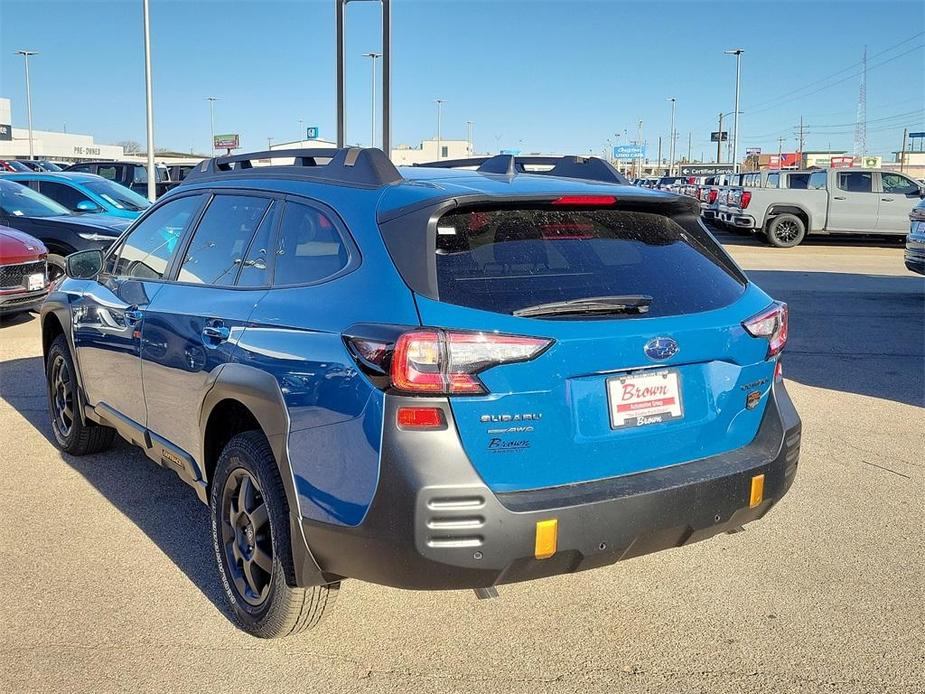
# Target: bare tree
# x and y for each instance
(129, 146)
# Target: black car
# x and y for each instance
(178, 171)
(130, 174)
(54, 225)
(915, 241)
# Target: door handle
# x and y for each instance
(839, 197)
(887, 199)
(216, 333)
(133, 315)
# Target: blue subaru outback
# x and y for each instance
(428, 377)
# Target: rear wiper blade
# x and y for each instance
(600, 305)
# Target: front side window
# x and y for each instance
(899, 185)
(504, 260)
(217, 249)
(146, 252)
(64, 194)
(310, 247)
(19, 200)
(856, 181)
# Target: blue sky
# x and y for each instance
(539, 76)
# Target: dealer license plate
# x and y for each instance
(644, 398)
(35, 282)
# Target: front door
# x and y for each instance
(899, 194)
(193, 326)
(109, 312)
(853, 203)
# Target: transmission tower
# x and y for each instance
(860, 128)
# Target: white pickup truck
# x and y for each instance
(843, 201)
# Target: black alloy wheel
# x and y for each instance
(246, 537)
(62, 395)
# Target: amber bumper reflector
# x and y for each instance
(547, 532)
(757, 495)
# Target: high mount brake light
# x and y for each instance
(441, 362)
(773, 324)
(585, 200)
(746, 198)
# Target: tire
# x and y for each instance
(786, 231)
(70, 433)
(250, 534)
(56, 266)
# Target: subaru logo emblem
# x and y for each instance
(661, 348)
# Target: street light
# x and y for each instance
(737, 52)
(212, 100)
(469, 125)
(149, 103)
(439, 103)
(25, 56)
(302, 132)
(673, 101)
(372, 127)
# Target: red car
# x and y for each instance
(23, 272)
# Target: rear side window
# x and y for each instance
(310, 247)
(856, 181)
(216, 251)
(503, 260)
(799, 181)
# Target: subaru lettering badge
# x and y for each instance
(661, 348)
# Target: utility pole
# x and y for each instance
(25, 59)
(269, 143)
(659, 152)
(689, 136)
(301, 129)
(372, 127)
(719, 141)
(802, 141)
(439, 103)
(780, 145)
(902, 154)
(469, 125)
(149, 111)
(639, 142)
(737, 52)
(212, 100)
(671, 142)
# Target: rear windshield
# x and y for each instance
(503, 260)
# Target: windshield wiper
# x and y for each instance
(595, 305)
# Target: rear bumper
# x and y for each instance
(435, 525)
(915, 256)
(736, 219)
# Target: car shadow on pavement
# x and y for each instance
(153, 498)
(743, 237)
(854, 333)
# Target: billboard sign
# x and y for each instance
(717, 136)
(311, 132)
(629, 152)
(753, 152)
(841, 162)
(231, 141)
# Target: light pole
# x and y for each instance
(212, 100)
(372, 127)
(25, 55)
(469, 125)
(302, 132)
(737, 52)
(673, 101)
(149, 111)
(439, 103)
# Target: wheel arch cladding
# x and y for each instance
(51, 328)
(246, 397)
(778, 210)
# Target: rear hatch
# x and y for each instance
(650, 368)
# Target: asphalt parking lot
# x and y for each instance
(110, 586)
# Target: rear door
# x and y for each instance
(853, 203)
(898, 196)
(616, 393)
(193, 325)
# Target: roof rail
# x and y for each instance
(570, 166)
(351, 165)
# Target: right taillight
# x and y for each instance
(713, 194)
(772, 324)
(745, 199)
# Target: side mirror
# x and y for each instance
(84, 265)
(88, 206)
